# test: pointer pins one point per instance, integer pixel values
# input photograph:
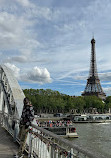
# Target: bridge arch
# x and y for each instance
(11, 94)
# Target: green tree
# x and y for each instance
(79, 103)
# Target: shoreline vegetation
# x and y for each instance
(49, 101)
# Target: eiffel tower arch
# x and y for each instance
(93, 86)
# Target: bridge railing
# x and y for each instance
(57, 146)
(11, 124)
(42, 143)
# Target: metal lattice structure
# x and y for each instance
(11, 95)
(93, 86)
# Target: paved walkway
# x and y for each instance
(7, 146)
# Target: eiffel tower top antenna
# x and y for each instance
(92, 35)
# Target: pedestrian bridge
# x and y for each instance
(7, 145)
(40, 142)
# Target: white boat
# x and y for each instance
(67, 132)
(71, 132)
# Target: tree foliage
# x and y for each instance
(53, 101)
(108, 102)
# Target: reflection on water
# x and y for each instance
(95, 137)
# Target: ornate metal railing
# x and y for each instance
(42, 143)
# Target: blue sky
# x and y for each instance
(47, 42)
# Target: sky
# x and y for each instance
(47, 43)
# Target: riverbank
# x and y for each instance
(93, 121)
(78, 118)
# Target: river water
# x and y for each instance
(94, 136)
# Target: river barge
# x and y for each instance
(92, 118)
(67, 132)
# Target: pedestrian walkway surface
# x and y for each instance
(7, 146)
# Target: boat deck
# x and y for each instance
(63, 131)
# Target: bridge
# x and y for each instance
(40, 142)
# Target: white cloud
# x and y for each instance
(19, 59)
(37, 75)
(105, 76)
(15, 70)
(15, 32)
(80, 77)
(25, 3)
(107, 90)
(25, 56)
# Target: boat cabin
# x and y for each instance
(80, 118)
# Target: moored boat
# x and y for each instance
(67, 132)
(61, 128)
(71, 132)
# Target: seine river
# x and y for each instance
(95, 136)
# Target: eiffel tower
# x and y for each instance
(93, 86)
